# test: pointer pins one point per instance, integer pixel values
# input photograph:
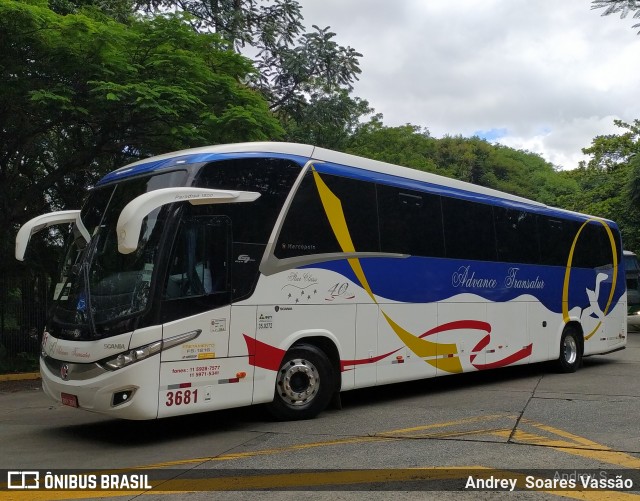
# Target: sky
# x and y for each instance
(545, 76)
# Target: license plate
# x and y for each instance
(70, 400)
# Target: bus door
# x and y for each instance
(197, 299)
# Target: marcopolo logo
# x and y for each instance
(23, 480)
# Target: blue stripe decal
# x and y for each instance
(436, 189)
(426, 280)
(185, 160)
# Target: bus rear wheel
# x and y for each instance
(304, 384)
(570, 350)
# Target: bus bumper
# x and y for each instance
(128, 393)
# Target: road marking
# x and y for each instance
(529, 433)
(310, 480)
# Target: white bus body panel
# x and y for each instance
(96, 393)
(198, 375)
(281, 329)
(367, 347)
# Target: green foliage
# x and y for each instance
(305, 76)
(468, 159)
(407, 145)
(83, 94)
(316, 65)
(633, 184)
(327, 120)
(609, 151)
(290, 61)
(119, 10)
(22, 362)
(608, 184)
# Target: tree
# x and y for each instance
(298, 71)
(82, 94)
(622, 152)
(407, 145)
(468, 159)
(624, 7)
(634, 179)
(613, 152)
(609, 151)
(609, 181)
(327, 120)
(119, 10)
(289, 61)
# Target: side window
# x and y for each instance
(517, 236)
(593, 248)
(468, 230)
(307, 229)
(198, 275)
(271, 177)
(556, 238)
(410, 222)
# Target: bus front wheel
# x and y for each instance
(570, 350)
(304, 384)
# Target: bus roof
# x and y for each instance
(302, 153)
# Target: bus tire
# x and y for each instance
(570, 350)
(304, 384)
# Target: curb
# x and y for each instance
(19, 377)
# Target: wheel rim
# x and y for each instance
(570, 350)
(298, 382)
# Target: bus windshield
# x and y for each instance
(101, 290)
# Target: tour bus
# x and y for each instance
(284, 274)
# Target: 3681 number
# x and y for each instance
(181, 397)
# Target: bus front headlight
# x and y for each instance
(132, 356)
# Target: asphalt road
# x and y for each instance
(431, 439)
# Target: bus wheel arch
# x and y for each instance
(571, 348)
(306, 380)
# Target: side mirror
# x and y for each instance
(44, 221)
(131, 217)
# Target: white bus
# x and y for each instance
(283, 274)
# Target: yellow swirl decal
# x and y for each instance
(421, 347)
(567, 273)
